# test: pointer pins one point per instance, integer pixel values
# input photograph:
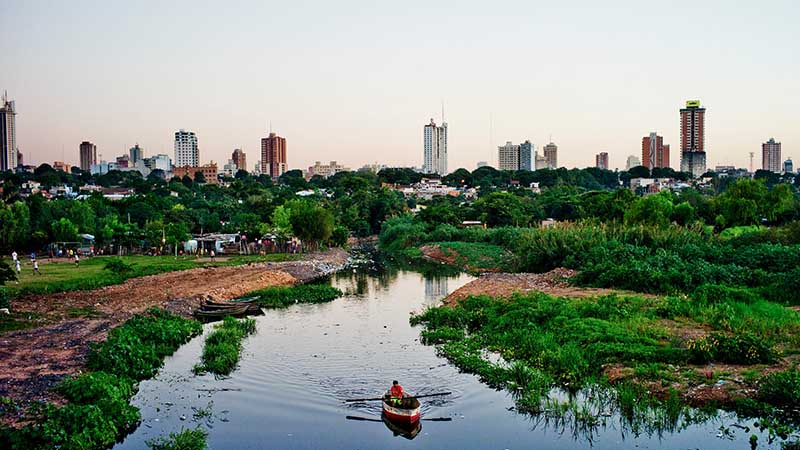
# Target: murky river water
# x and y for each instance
(294, 373)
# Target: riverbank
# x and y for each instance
(36, 359)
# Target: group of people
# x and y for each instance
(17, 264)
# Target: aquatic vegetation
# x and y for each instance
(184, 440)
(137, 349)
(98, 412)
(223, 346)
(281, 297)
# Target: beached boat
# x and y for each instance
(219, 312)
(408, 411)
(253, 308)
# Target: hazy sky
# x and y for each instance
(355, 81)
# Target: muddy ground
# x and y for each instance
(34, 360)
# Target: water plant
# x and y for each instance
(281, 297)
(184, 440)
(223, 346)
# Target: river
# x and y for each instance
(304, 360)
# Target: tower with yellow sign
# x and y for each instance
(693, 138)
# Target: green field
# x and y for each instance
(61, 275)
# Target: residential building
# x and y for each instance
(62, 166)
(771, 156)
(239, 159)
(88, 155)
(123, 161)
(273, 155)
(229, 169)
(160, 162)
(601, 160)
(186, 150)
(526, 151)
(136, 154)
(508, 157)
(539, 161)
(788, 166)
(435, 148)
(374, 168)
(551, 155)
(654, 152)
(693, 138)
(209, 172)
(8, 135)
(632, 161)
(326, 170)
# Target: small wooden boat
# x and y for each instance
(235, 310)
(253, 308)
(406, 430)
(407, 412)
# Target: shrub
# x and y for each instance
(118, 266)
(739, 349)
(781, 389)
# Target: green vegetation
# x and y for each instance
(281, 297)
(185, 440)
(98, 412)
(477, 256)
(546, 343)
(223, 346)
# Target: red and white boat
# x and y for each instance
(408, 411)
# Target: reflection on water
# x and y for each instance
(295, 372)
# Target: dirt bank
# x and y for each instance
(36, 359)
(554, 282)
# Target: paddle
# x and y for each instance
(381, 398)
(365, 419)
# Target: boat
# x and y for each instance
(406, 430)
(253, 308)
(219, 312)
(407, 412)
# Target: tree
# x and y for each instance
(282, 221)
(176, 233)
(502, 208)
(311, 223)
(651, 210)
(293, 179)
(63, 230)
(684, 214)
(6, 273)
(199, 178)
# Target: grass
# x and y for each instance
(185, 440)
(98, 412)
(477, 256)
(558, 343)
(282, 297)
(63, 276)
(223, 346)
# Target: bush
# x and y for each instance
(739, 349)
(118, 266)
(781, 389)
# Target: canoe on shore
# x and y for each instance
(235, 310)
(408, 411)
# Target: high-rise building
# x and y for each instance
(273, 155)
(632, 161)
(788, 166)
(435, 146)
(551, 155)
(601, 160)
(88, 155)
(526, 151)
(239, 159)
(508, 156)
(771, 156)
(693, 138)
(186, 151)
(654, 152)
(8, 135)
(136, 154)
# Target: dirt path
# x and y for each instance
(505, 284)
(34, 360)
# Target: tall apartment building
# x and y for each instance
(239, 159)
(632, 161)
(654, 152)
(508, 156)
(186, 151)
(601, 160)
(435, 148)
(771, 156)
(551, 155)
(273, 155)
(526, 151)
(88, 155)
(8, 135)
(693, 138)
(136, 154)
(788, 166)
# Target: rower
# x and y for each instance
(396, 393)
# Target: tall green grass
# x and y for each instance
(223, 346)
(281, 297)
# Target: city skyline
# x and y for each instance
(564, 89)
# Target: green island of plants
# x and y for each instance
(98, 412)
(624, 354)
(282, 297)
(223, 346)
(184, 440)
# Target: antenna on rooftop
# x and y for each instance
(751, 161)
(442, 111)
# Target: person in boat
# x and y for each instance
(396, 393)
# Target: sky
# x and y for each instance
(356, 81)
